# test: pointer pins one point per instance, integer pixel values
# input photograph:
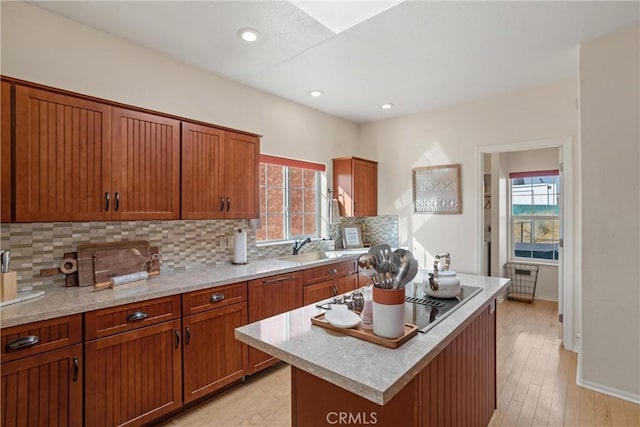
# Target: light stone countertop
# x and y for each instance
(62, 301)
(369, 370)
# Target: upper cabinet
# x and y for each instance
(5, 152)
(62, 158)
(145, 169)
(219, 173)
(81, 159)
(355, 184)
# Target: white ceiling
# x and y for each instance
(418, 55)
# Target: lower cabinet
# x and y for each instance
(330, 288)
(43, 390)
(41, 372)
(267, 297)
(213, 357)
(135, 376)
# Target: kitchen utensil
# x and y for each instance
(127, 279)
(6, 259)
(368, 264)
(118, 262)
(86, 251)
(341, 317)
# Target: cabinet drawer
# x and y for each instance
(330, 271)
(208, 299)
(38, 337)
(113, 320)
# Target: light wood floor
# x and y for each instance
(536, 384)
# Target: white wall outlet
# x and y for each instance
(230, 242)
(222, 242)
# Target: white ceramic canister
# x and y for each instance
(388, 312)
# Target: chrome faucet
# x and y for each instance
(298, 244)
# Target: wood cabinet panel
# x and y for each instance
(122, 318)
(329, 271)
(241, 163)
(267, 297)
(6, 106)
(51, 334)
(212, 298)
(213, 357)
(330, 288)
(355, 181)
(43, 390)
(146, 166)
(202, 172)
(134, 377)
(63, 157)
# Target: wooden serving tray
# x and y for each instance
(367, 334)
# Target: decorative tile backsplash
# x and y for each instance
(182, 244)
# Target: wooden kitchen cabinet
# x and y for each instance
(327, 281)
(213, 358)
(267, 297)
(63, 157)
(219, 173)
(133, 377)
(82, 160)
(42, 372)
(145, 161)
(355, 184)
(5, 151)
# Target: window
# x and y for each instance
(535, 215)
(289, 199)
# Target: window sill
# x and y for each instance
(528, 261)
(283, 242)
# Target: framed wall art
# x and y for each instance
(436, 189)
(351, 237)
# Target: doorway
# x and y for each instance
(498, 227)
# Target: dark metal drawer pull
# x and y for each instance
(107, 199)
(280, 279)
(228, 204)
(333, 272)
(76, 369)
(221, 204)
(217, 297)
(137, 316)
(187, 338)
(177, 334)
(117, 201)
(23, 342)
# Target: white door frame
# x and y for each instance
(568, 303)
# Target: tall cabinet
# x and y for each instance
(355, 184)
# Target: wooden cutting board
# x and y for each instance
(86, 252)
(118, 262)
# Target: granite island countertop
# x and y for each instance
(63, 301)
(372, 371)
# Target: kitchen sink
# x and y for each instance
(306, 257)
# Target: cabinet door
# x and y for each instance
(5, 152)
(241, 184)
(347, 283)
(44, 390)
(62, 158)
(213, 357)
(267, 297)
(202, 172)
(133, 377)
(320, 291)
(365, 191)
(146, 166)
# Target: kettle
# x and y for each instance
(443, 283)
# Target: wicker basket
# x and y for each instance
(523, 281)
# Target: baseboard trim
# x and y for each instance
(545, 298)
(620, 394)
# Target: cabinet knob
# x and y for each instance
(23, 342)
(333, 271)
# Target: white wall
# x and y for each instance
(610, 134)
(532, 160)
(41, 47)
(451, 135)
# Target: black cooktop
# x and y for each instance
(425, 311)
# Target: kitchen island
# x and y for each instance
(446, 376)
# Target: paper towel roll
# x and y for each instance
(240, 247)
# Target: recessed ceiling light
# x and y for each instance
(386, 106)
(248, 34)
(316, 93)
